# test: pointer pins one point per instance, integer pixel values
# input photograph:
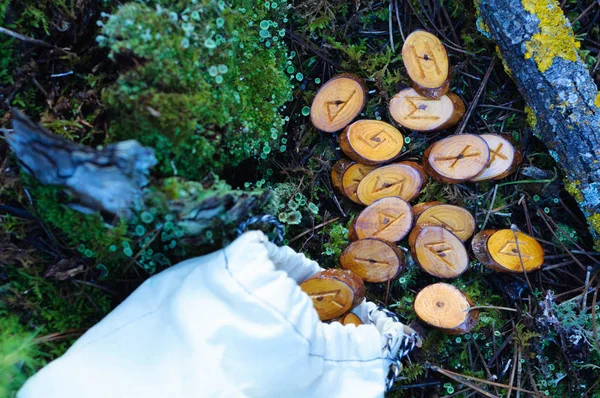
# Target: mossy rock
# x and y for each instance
(201, 82)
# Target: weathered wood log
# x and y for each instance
(447, 308)
(456, 158)
(373, 260)
(426, 62)
(371, 142)
(506, 250)
(338, 102)
(539, 48)
(387, 218)
(109, 179)
(334, 292)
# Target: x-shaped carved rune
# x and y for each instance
(496, 153)
(462, 155)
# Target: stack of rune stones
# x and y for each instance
(436, 231)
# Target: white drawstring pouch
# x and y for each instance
(233, 323)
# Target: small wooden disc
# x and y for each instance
(416, 112)
(499, 250)
(439, 252)
(395, 179)
(351, 319)
(456, 158)
(338, 102)
(371, 141)
(346, 175)
(334, 292)
(373, 260)
(455, 219)
(427, 64)
(445, 307)
(387, 218)
(419, 208)
(503, 158)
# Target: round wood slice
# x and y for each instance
(334, 292)
(421, 207)
(373, 260)
(439, 252)
(419, 168)
(455, 219)
(346, 175)
(395, 179)
(504, 158)
(387, 218)
(499, 251)
(371, 141)
(456, 158)
(416, 112)
(426, 62)
(338, 102)
(445, 307)
(350, 319)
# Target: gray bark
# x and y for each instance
(562, 98)
(109, 179)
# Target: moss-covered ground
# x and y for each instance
(221, 90)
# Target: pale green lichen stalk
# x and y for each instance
(555, 38)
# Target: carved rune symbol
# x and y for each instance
(440, 249)
(357, 180)
(496, 153)
(425, 57)
(334, 108)
(417, 104)
(386, 221)
(462, 155)
(454, 229)
(376, 139)
(511, 248)
(332, 295)
(370, 261)
(386, 185)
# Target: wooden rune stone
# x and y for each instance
(502, 251)
(389, 219)
(334, 292)
(445, 307)
(373, 260)
(426, 62)
(371, 142)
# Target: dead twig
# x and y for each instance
(464, 121)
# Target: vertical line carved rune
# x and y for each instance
(339, 106)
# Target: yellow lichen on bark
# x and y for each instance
(555, 39)
(597, 101)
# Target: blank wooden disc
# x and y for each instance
(503, 157)
(456, 158)
(388, 218)
(443, 306)
(439, 252)
(371, 141)
(338, 102)
(416, 112)
(334, 292)
(499, 250)
(346, 175)
(373, 260)
(395, 179)
(455, 219)
(427, 64)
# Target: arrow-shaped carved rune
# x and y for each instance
(414, 108)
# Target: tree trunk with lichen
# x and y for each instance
(539, 49)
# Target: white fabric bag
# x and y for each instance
(233, 323)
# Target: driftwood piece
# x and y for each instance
(538, 47)
(108, 180)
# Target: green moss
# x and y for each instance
(555, 39)
(205, 82)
